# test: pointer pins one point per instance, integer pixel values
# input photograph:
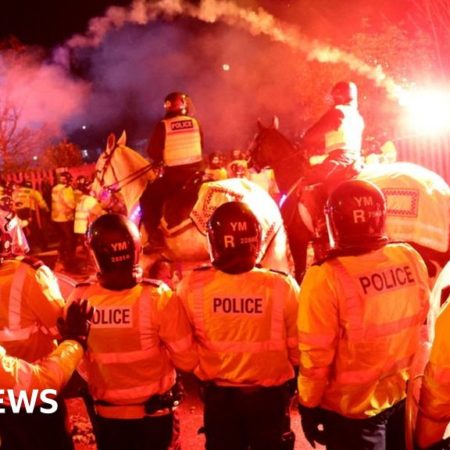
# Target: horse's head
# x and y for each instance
(120, 168)
(269, 147)
(273, 149)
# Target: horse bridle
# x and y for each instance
(119, 184)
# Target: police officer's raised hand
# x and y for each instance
(76, 323)
(311, 419)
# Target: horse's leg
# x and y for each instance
(151, 203)
(298, 236)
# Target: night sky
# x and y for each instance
(118, 77)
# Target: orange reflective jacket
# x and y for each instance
(31, 304)
(245, 325)
(137, 338)
(359, 321)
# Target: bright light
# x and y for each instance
(83, 127)
(428, 111)
(226, 67)
(35, 158)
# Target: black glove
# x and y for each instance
(76, 324)
(311, 418)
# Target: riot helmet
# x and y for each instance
(82, 183)
(234, 237)
(345, 93)
(355, 214)
(65, 178)
(177, 103)
(116, 245)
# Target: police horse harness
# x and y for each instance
(418, 200)
(123, 172)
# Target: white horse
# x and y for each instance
(122, 170)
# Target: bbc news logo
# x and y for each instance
(21, 401)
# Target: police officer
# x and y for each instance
(31, 305)
(63, 211)
(31, 206)
(139, 333)
(337, 137)
(360, 316)
(244, 320)
(434, 405)
(215, 170)
(21, 430)
(176, 143)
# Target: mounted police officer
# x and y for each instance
(336, 137)
(176, 143)
(139, 334)
(333, 145)
(244, 319)
(360, 316)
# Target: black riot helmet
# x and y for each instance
(177, 103)
(345, 93)
(234, 236)
(116, 246)
(356, 213)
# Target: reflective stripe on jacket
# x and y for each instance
(348, 136)
(31, 304)
(359, 322)
(63, 203)
(51, 372)
(137, 338)
(245, 325)
(435, 393)
(183, 141)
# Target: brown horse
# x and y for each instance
(418, 200)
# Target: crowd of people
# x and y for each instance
(342, 344)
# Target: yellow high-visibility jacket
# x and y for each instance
(183, 144)
(85, 205)
(348, 136)
(244, 324)
(29, 198)
(359, 321)
(31, 304)
(63, 203)
(50, 372)
(137, 338)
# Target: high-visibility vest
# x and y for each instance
(63, 203)
(50, 372)
(82, 213)
(23, 197)
(183, 141)
(31, 304)
(245, 325)
(348, 136)
(137, 337)
(360, 320)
